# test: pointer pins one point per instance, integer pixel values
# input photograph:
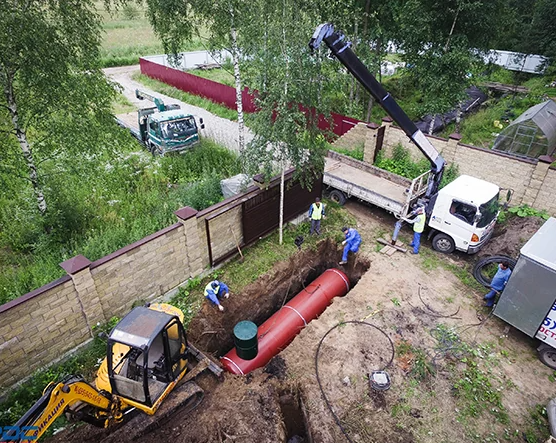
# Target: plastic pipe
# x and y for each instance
(276, 333)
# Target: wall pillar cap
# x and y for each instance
(75, 264)
(372, 125)
(455, 136)
(185, 213)
(546, 159)
(387, 119)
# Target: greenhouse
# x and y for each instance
(533, 134)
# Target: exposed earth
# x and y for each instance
(458, 374)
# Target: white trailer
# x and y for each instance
(528, 301)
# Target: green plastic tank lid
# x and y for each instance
(245, 330)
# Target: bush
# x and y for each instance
(401, 163)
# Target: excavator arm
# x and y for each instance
(65, 397)
(335, 40)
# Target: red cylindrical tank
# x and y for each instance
(275, 334)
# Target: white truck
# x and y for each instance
(461, 216)
(528, 301)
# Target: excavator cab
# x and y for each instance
(147, 353)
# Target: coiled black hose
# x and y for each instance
(478, 268)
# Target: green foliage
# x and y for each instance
(222, 75)
(212, 107)
(538, 428)
(130, 12)
(476, 389)
(525, 210)
(112, 200)
(189, 299)
(450, 174)
(357, 153)
(401, 163)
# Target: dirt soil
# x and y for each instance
(402, 300)
(508, 238)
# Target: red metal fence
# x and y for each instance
(226, 95)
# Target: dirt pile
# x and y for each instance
(511, 236)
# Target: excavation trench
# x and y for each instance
(212, 331)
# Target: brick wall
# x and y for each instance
(31, 332)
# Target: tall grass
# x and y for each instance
(124, 197)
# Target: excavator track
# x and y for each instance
(184, 398)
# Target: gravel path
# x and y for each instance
(222, 131)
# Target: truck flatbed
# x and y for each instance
(371, 184)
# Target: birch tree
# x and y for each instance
(285, 75)
(55, 97)
(442, 41)
(177, 21)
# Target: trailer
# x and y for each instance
(528, 301)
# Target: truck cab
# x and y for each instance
(463, 215)
(167, 131)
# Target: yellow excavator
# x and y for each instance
(147, 356)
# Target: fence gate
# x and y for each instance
(260, 215)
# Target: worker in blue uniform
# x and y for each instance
(216, 290)
(498, 283)
(352, 242)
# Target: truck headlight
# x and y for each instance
(474, 238)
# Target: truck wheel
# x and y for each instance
(443, 243)
(547, 355)
(338, 197)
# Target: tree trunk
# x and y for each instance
(458, 118)
(370, 108)
(281, 220)
(25, 146)
(237, 77)
(431, 126)
(447, 46)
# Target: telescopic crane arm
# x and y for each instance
(335, 40)
(144, 95)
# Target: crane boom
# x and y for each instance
(335, 40)
(145, 95)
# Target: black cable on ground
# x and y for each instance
(336, 419)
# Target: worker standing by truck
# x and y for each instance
(216, 290)
(316, 213)
(498, 283)
(418, 227)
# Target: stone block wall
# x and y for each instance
(39, 329)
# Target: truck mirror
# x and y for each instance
(201, 120)
(477, 217)
(509, 196)
(202, 126)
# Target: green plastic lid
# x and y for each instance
(245, 330)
